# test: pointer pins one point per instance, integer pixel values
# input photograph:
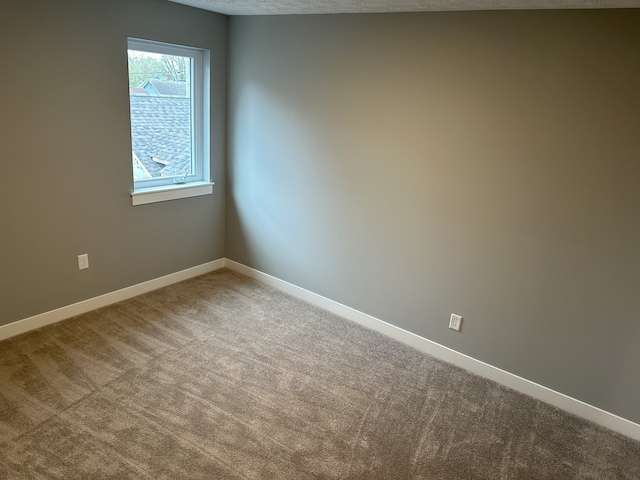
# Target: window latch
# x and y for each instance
(182, 179)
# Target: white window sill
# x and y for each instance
(171, 192)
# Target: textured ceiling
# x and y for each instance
(284, 7)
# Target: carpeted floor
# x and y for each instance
(221, 377)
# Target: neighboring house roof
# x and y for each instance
(139, 170)
(138, 90)
(165, 87)
(160, 129)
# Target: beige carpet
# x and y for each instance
(221, 377)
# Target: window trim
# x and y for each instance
(171, 192)
(199, 183)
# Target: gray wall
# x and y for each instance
(482, 163)
(65, 153)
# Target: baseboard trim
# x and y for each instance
(53, 316)
(522, 385)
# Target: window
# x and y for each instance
(169, 121)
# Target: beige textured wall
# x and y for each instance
(482, 163)
(65, 153)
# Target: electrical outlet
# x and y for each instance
(455, 322)
(83, 261)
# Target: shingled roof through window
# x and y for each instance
(160, 128)
(165, 87)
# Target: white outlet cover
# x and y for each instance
(83, 261)
(455, 322)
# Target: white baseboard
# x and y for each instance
(522, 385)
(53, 316)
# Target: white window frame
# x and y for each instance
(160, 189)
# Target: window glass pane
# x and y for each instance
(160, 96)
